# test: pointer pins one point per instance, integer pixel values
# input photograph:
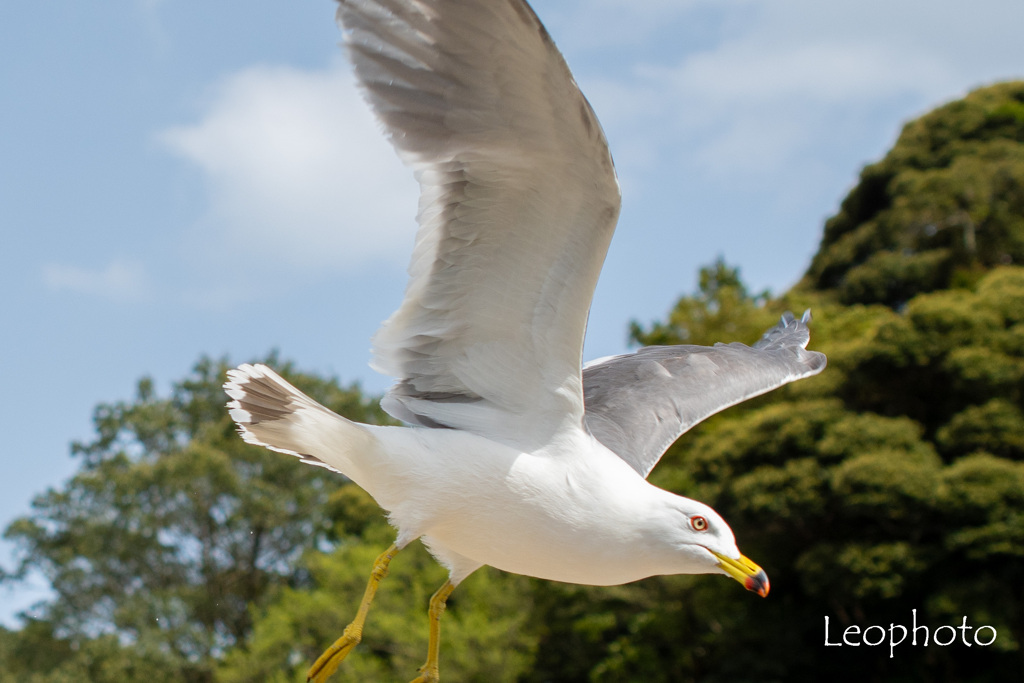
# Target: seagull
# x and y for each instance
(514, 454)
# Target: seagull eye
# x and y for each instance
(698, 523)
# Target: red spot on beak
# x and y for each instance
(758, 583)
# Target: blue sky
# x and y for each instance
(184, 178)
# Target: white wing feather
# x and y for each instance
(518, 204)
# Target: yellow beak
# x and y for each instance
(746, 572)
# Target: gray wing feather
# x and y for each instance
(518, 204)
(639, 403)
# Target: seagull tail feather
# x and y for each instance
(272, 413)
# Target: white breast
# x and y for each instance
(573, 512)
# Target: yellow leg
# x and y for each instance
(327, 663)
(429, 672)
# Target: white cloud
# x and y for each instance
(761, 107)
(758, 98)
(298, 171)
(781, 86)
(758, 115)
(825, 72)
(119, 280)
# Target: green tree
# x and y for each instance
(485, 635)
(174, 528)
(36, 654)
(946, 203)
(721, 308)
(891, 482)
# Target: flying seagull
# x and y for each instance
(516, 456)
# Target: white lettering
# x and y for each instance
(935, 637)
(880, 638)
(978, 632)
(963, 632)
(916, 627)
(894, 643)
(828, 644)
(855, 635)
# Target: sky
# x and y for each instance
(187, 178)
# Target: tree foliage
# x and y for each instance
(892, 482)
(944, 204)
(173, 528)
(485, 635)
(721, 306)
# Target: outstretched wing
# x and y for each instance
(639, 403)
(518, 204)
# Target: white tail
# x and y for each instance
(272, 413)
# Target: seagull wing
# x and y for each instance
(639, 403)
(518, 203)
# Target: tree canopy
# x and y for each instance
(945, 204)
(174, 530)
(891, 482)
(890, 485)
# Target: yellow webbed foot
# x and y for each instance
(327, 663)
(429, 672)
